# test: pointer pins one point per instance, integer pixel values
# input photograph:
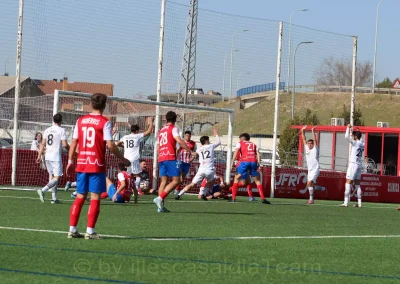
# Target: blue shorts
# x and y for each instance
(248, 167)
(90, 182)
(185, 167)
(215, 189)
(111, 191)
(170, 168)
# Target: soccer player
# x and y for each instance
(311, 151)
(217, 187)
(355, 166)
(167, 162)
(145, 180)
(131, 149)
(185, 157)
(206, 161)
(250, 162)
(54, 139)
(124, 188)
(93, 133)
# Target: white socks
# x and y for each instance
(359, 194)
(73, 184)
(89, 230)
(181, 193)
(54, 193)
(311, 191)
(52, 183)
(137, 182)
(72, 229)
(347, 193)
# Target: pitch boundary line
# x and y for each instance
(211, 238)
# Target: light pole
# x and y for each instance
(237, 79)
(376, 45)
(223, 78)
(294, 74)
(290, 45)
(232, 46)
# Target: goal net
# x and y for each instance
(122, 113)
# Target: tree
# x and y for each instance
(358, 120)
(338, 72)
(289, 138)
(386, 83)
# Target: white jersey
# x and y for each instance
(312, 158)
(132, 146)
(206, 154)
(357, 149)
(54, 135)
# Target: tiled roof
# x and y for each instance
(48, 87)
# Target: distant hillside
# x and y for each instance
(260, 117)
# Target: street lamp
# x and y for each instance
(376, 45)
(223, 78)
(294, 74)
(290, 45)
(232, 45)
(237, 79)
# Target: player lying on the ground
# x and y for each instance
(185, 157)
(206, 161)
(132, 146)
(93, 134)
(217, 189)
(54, 139)
(167, 139)
(125, 187)
(250, 162)
(311, 151)
(355, 166)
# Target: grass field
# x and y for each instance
(200, 242)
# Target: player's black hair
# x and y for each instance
(171, 117)
(310, 140)
(134, 128)
(57, 118)
(122, 167)
(188, 132)
(357, 134)
(204, 139)
(141, 161)
(99, 101)
(246, 136)
(37, 133)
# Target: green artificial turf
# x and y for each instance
(198, 242)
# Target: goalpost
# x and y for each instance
(125, 112)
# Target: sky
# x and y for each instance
(110, 41)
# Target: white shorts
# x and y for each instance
(354, 172)
(313, 175)
(202, 174)
(134, 168)
(55, 168)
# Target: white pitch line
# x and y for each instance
(212, 239)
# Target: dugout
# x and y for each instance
(382, 149)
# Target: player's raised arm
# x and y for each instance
(218, 140)
(150, 128)
(347, 134)
(303, 137)
(316, 142)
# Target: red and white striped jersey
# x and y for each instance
(184, 155)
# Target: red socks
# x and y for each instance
(93, 213)
(104, 195)
(249, 191)
(234, 190)
(261, 191)
(163, 195)
(178, 187)
(75, 211)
